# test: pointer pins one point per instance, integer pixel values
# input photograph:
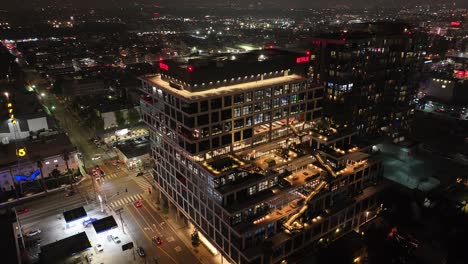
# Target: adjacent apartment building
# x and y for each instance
(369, 73)
(240, 150)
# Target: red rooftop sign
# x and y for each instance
(163, 66)
(302, 59)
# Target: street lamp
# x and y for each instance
(43, 94)
(100, 202)
(367, 215)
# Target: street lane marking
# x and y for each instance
(178, 249)
(162, 250)
(170, 239)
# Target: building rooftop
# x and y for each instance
(59, 251)
(133, 150)
(158, 81)
(42, 148)
(212, 68)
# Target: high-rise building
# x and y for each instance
(240, 151)
(368, 72)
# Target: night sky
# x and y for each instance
(272, 3)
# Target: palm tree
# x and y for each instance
(66, 158)
(40, 165)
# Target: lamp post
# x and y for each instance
(367, 215)
(100, 202)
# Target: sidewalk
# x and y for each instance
(184, 232)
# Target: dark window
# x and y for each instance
(190, 108)
(318, 104)
(204, 145)
(226, 114)
(215, 142)
(238, 98)
(237, 136)
(319, 93)
(214, 117)
(203, 120)
(227, 101)
(216, 103)
(189, 121)
(203, 106)
(247, 133)
(179, 116)
(227, 139)
(238, 123)
(191, 148)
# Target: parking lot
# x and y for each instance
(105, 247)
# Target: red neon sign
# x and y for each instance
(190, 68)
(461, 73)
(455, 23)
(163, 66)
(302, 59)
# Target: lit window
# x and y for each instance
(47, 163)
(262, 186)
(252, 190)
(55, 161)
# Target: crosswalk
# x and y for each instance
(125, 200)
(109, 176)
(142, 182)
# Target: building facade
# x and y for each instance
(239, 151)
(369, 75)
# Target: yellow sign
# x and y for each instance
(21, 152)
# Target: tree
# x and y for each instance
(40, 166)
(57, 87)
(133, 116)
(119, 118)
(95, 122)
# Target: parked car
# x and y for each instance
(33, 232)
(116, 239)
(96, 157)
(89, 221)
(22, 211)
(99, 248)
(140, 251)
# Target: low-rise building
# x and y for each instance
(84, 87)
(50, 151)
(134, 154)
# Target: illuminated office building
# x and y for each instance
(241, 152)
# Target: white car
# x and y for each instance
(99, 248)
(116, 239)
(96, 157)
(33, 233)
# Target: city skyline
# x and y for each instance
(277, 4)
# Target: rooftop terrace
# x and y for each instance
(238, 87)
